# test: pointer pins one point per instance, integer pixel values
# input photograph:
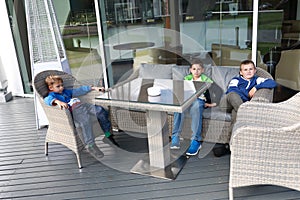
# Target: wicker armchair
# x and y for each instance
(61, 127)
(265, 145)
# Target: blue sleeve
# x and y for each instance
(49, 99)
(81, 91)
(64, 97)
(234, 86)
(265, 83)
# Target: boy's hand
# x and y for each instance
(210, 105)
(252, 92)
(100, 89)
(61, 104)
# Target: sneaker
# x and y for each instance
(95, 152)
(194, 148)
(111, 139)
(175, 143)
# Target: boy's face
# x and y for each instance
(247, 71)
(196, 70)
(57, 87)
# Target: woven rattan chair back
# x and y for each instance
(39, 81)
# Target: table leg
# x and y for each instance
(158, 138)
(161, 162)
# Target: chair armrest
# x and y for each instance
(267, 114)
(58, 117)
(266, 143)
(268, 156)
(263, 95)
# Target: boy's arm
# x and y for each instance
(82, 90)
(265, 83)
(61, 104)
(49, 100)
(262, 83)
(85, 89)
(52, 101)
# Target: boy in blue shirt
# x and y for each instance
(81, 112)
(241, 89)
(195, 110)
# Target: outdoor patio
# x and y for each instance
(26, 173)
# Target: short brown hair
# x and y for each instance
(50, 80)
(246, 62)
(196, 61)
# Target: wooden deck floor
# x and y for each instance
(25, 172)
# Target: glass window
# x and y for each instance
(223, 29)
(78, 23)
(278, 29)
(220, 31)
(130, 29)
(179, 30)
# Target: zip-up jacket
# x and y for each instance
(242, 86)
(203, 78)
(66, 95)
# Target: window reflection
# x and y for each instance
(221, 29)
(78, 23)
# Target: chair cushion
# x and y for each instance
(215, 113)
(156, 71)
(179, 72)
(221, 75)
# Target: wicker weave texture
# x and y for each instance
(265, 145)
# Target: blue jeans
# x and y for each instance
(83, 117)
(195, 110)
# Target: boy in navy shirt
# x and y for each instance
(241, 89)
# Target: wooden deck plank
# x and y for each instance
(26, 173)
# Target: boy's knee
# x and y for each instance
(232, 95)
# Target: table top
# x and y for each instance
(175, 96)
(133, 45)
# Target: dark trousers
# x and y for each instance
(231, 103)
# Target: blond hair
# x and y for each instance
(50, 80)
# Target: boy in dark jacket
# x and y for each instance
(241, 89)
